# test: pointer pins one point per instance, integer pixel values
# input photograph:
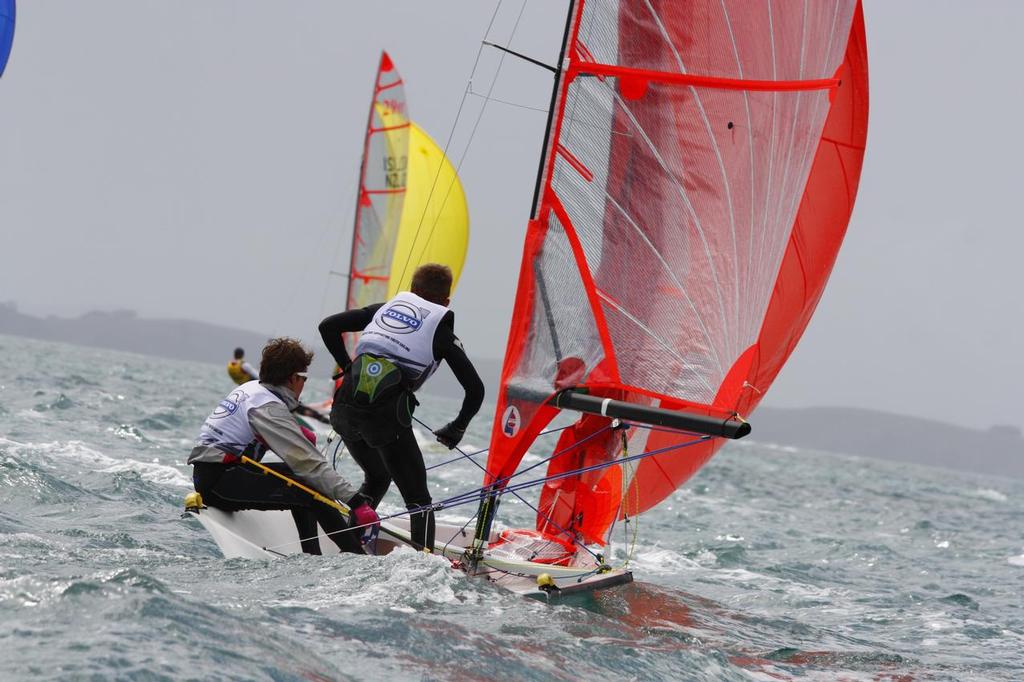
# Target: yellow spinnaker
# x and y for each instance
(435, 218)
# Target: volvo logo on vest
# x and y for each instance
(229, 405)
(402, 318)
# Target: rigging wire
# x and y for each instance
(472, 134)
(520, 498)
(484, 450)
(507, 102)
(472, 496)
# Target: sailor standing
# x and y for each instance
(403, 342)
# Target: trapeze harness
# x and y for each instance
(227, 428)
(394, 352)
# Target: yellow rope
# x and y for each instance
(292, 482)
(319, 498)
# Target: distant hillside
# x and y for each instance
(124, 330)
(998, 450)
(187, 340)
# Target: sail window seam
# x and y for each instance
(650, 332)
(682, 289)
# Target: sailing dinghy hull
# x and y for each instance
(256, 534)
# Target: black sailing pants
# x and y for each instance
(394, 456)
(233, 487)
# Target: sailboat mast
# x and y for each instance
(555, 90)
(489, 500)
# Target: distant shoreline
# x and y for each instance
(998, 450)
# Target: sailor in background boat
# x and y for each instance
(402, 343)
(255, 417)
(239, 370)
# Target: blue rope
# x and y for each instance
(470, 496)
(480, 452)
(518, 496)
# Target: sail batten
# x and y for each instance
(681, 78)
(666, 265)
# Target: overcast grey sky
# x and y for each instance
(200, 160)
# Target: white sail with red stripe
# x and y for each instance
(382, 180)
(411, 208)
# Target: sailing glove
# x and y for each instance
(366, 519)
(450, 434)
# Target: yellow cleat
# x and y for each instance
(193, 502)
(546, 583)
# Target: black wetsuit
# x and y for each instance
(381, 440)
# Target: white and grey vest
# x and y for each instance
(402, 330)
(227, 428)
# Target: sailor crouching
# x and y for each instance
(256, 417)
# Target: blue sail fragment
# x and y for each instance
(6, 31)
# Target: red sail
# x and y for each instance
(699, 176)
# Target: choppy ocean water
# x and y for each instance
(771, 563)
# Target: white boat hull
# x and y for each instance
(254, 534)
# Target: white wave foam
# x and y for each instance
(657, 560)
(29, 591)
(403, 580)
(990, 494)
(77, 451)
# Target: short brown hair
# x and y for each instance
(283, 357)
(433, 282)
